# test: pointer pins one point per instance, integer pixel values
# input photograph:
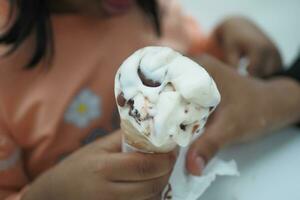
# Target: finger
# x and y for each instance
(207, 60)
(139, 166)
(259, 59)
(149, 189)
(273, 64)
(229, 45)
(232, 53)
(269, 67)
(213, 67)
(157, 197)
(110, 143)
(203, 149)
(255, 65)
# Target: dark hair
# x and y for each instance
(150, 7)
(34, 17)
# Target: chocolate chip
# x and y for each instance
(195, 127)
(211, 108)
(146, 81)
(148, 117)
(172, 86)
(183, 127)
(168, 194)
(134, 112)
(130, 103)
(186, 111)
(121, 99)
(136, 115)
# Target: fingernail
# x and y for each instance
(200, 163)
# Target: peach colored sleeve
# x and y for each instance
(180, 30)
(12, 176)
(13, 179)
(4, 12)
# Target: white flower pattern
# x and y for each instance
(84, 108)
(10, 161)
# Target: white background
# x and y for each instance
(279, 18)
(270, 167)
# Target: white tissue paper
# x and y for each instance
(188, 187)
(180, 93)
(185, 186)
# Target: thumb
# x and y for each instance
(202, 150)
(229, 45)
(110, 143)
(232, 53)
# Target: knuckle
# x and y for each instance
(208, 60)
(273, 49)
(156, 197)
(211, 147)
(104, 168)
(264, 49)
(112, 196)
(158, 186)
(144, 168)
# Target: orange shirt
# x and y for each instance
(49, 112)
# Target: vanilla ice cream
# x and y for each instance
(164, 96)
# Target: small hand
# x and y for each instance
(249, 108)
(101, 171)
(240, 38)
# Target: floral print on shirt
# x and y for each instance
(85, 107)
(9, 153)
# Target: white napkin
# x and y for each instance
(189, 187)
(185, 186)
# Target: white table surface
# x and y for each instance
(269, 167)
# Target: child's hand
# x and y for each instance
(238, 37)
(249, 108)
(100, 171)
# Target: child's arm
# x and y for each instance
(250, 108)
(180, 30)
(13, 178)
(238, 37)
(98, 170)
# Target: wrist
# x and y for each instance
(282, 101)
(41, 188)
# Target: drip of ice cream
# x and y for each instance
(166, 96)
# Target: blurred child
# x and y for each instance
(56, 95)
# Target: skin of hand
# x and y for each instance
(100, 171)
(238, 37)
(249, 108)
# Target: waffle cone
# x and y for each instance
(137, 140)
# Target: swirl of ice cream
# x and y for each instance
(166, 96)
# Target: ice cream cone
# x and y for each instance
(163, 104)
(133, 138)
(134, 141)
